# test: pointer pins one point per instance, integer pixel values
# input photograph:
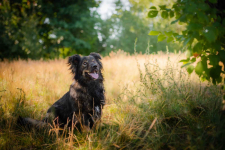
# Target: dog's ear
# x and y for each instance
(73, 61)
(97, 57)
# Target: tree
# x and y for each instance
(48, 28)
(129, 24)
(70, 26)
(204, 35)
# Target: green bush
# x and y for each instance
(203, 36)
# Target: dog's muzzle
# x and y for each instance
(94, 74)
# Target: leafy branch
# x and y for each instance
(204, 36)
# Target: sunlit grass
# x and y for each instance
(151, 104)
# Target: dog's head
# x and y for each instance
(87, 68)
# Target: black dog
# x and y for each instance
(83, 104)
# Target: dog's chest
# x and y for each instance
(84, 98)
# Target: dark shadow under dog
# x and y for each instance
(82, 104)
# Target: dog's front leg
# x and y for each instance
(87, 122)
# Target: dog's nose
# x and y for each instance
(94, 66)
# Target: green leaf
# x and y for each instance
(175, 6)
(170, 39)
(168, 9)
(204, 7)
(184, 32)
(188, 53)
(154, 32)
(195, 34)
(169, 33)
(202, 17)
(175, 21)
(162, 7)
(191, 7)
(183, 18)
(152, 7)
(199, 68)
(195, 26)
(210, 34)
(190, 69)
(186, 41)
(222, 56)
(152, 13)
(204, 64)
(216, 46)
(215, 72)
(171, 14)
(187, 64)
(164, 15)
(161, 37)
(214, 60)
(219, 79)
(213, 1)
(198, 48)
(179, 37)
(193, 60)
(185, 60)
(175, 34)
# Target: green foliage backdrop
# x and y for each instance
(132, 23)
(47, 28)
(51, 29)
(204, 36)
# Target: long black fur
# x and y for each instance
(83, 103)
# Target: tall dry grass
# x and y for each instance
(151, 104)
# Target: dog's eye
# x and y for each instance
(84, 63)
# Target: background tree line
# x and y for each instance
(51, 29)
(47, 28)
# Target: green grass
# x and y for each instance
(167, 109)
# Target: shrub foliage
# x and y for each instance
(203, 37)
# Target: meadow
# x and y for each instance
(151, 103)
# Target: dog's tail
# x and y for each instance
(30, 123)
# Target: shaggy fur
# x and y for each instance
(83, 103)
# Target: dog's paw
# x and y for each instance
(86, 129)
